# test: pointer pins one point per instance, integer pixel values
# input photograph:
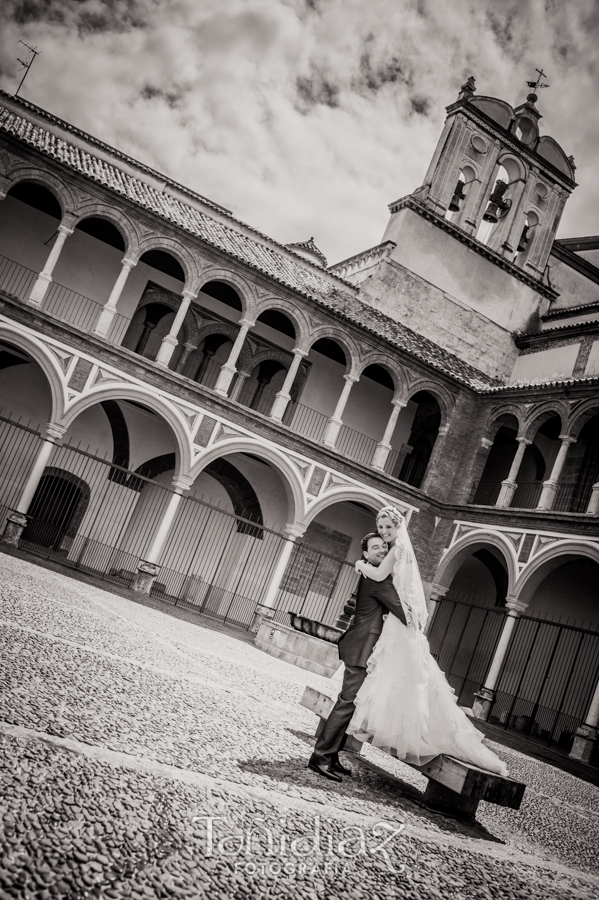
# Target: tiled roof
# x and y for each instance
(311, 247)
(300, 276)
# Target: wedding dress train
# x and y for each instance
(407, 707)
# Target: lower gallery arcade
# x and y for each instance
(109, 487)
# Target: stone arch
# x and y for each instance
(291, 311)
(157, 294)
(553, 556)
(290, 476)
(178, 250)
(466, 545)
(583, 414)
(38, 529)
(243, 287)
(442, 396)
(147, 397)
(45, 359)
(117, 218)
(352, 355)
(45, 179)
(538, 416)
(231, 331)
(513, 166)
(348, 493)
(398, 375)
(501, 418)
(282, 356)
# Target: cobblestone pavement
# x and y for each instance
(127, 734)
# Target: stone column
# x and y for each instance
(108, 313)
(550, 486)
(508, 487)
(187, 351)
(44, 279)
(383, 448)
(229, 368)
(585, 737)
(438, 591)
(593, 507)
(169, 342)
(18, 520)
(148, 568)
(283, 397)
(335, 422)
(484, 699)
(265, 610)
(240, 381)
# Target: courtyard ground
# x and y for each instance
(147, 752)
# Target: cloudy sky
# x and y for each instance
(306, 117)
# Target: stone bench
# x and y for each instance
(454, 786)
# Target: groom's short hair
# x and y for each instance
(367, 538)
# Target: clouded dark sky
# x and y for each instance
(306, 117)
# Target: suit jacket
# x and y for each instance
(373, 600)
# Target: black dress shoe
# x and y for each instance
(338, 767)
(324, 769)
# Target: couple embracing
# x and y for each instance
(394, 693)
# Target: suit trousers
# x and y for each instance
(332, 737)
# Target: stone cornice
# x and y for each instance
(567, 256)
(577, 330)
(511, 141)
(410, 202)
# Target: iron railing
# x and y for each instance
(572, 497)
(485, 493)
(548, 675)
(92, 514)
(355, 445)
(306, 421)
(60, 301)
(527, 495)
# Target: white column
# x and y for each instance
(593, 507)
(239, 382)
(266, 608)
(17, 521)
(53, 434)
(485, 697)
(550, 486)
(585, 737)
(107, 314)
(229, 368)
(508, 487)
(335, 422)
(169, 342)
(38, 292)
(383, 448)
(180, 484)
(283, 397)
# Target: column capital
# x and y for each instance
(524, 440)
(437, 592)
(350, 378)
(567, 439)
(64, 229)
(53, 432)
(299, 351)
(189, 294)
(247, 322)
(443, 429)
(128, 263)
(514, 605)
(295, 531)
(486, 443)
(400, 402)
(182, 483)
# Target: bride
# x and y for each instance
(405, 706)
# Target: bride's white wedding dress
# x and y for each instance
(406, 706)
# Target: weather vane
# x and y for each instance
(27, 63)
(536, 85)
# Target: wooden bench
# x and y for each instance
(454, 786)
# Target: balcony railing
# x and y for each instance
(527, 495)
(356, 445)
(572, 497)
(485, 493)
(305, 421)
(60, 301)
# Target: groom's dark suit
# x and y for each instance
(373, 600)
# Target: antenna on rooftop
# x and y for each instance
(27, 63)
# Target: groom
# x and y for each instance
(373, 600)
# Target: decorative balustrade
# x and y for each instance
(356, 445)
(305, 421)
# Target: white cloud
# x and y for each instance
(305, 118)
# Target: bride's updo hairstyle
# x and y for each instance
(390, 512)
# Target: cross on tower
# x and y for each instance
(535, 85)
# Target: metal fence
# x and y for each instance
(547, 678)
(91, 514)
(60, 301)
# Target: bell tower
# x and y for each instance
(495, 178)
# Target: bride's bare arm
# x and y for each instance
(378, 573)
